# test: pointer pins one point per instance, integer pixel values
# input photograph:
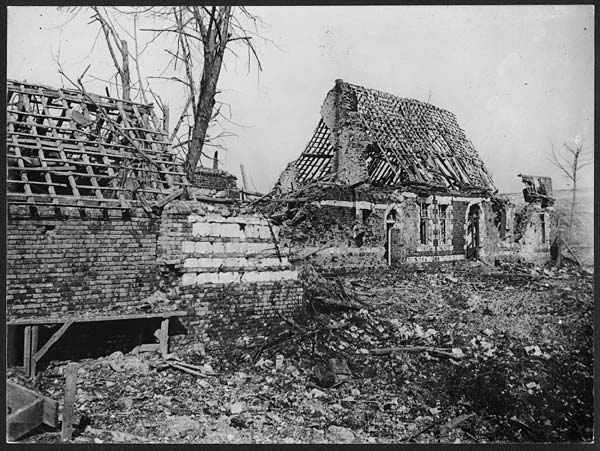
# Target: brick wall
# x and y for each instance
(69, 264)
(213, 261)
(223, 268)
(217, 180)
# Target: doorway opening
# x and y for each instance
(473, 237)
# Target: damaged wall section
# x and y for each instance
(225, 271)
(72, 264)
(219, 265)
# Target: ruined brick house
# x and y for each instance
(400, 183)
(107, 241)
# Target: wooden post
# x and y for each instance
(164, 337)
(34, 344)
(69, 406)
(27, 350)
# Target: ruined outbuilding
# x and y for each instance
(108, 244)
(389, 180)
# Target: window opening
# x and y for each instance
(424, 223)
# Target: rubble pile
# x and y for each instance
(463, 353)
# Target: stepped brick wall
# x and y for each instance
(225, 271)
(219, 265)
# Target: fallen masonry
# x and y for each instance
(515, 344)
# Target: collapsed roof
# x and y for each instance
(537, 187)
(405, 143)
(71, 148)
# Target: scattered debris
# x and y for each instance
(483, 349)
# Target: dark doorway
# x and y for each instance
(472, 238)
(393, 241)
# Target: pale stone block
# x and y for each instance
(249, 277)
(202, 229)
(227, 230)
(188, 279)
(230, 262)
(290, 274)
(190, 263)
(258, 247)
(264, 232)
(231, 248)
(187, 247)
(218, 247)
(204, 247)
(252, 231)
(209, 262)
(228, 277)
(207, 277)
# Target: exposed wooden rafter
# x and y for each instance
(67, 148)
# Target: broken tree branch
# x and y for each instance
(438, 351)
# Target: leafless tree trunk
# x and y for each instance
(571, 162)
(203, 34)
(215, 36)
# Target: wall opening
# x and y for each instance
(423, 223)
(473, 239)
(543, 227)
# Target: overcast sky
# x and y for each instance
(518, 78)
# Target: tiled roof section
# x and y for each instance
(413, 143)
(65, 147)
(417, 143)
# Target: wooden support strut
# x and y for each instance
(69, 405)
(164, 337)
(34, 344)
(53, 339)
(27, 350)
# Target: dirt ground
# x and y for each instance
(487, 354)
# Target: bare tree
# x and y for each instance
(201, 34)
(570, 162)
(212, 29)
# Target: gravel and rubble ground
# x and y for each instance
(456, 353)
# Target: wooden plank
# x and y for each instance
(24, 420)
(69, 404)
(53, 339)
(148, 347)
(90, 171)
(27, 349)
(165, 200)
(34, 344)
(16, 396)
(91, 318)
(164, 337)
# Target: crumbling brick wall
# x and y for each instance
(525, 242)
(69, 264)
(216, 263)
(348, 134)
(217, 180)
(222, 267)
